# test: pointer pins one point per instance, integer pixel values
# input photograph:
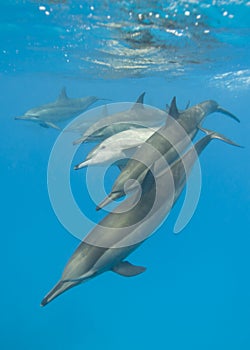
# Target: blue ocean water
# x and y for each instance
(195, 293)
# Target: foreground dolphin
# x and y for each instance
(122, 231)
(116, 147)
(62, 109)
(138, 116)
(178, 131)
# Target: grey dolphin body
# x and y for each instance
(136, 117)
(122, 231)
(62, 109)
(178, 132)
(117, 147)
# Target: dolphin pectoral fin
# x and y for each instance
(126, 269)
(216, 135)
(52, 125)
(224, 111)
(173, 110)
(45, 124)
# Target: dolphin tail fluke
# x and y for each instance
(224, 111)
(216, 135)
(59, 288)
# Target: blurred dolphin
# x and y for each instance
(117, 147)
(138, 116)
(62, 109)
(122, 231)
(178, 132)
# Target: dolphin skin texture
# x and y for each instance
(117, 147)
(138, 116)
(64, 108)
(178, 131)
(131, 223)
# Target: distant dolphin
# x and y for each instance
(116, 147)
(122, 231)
(178, 131)
(62, 109)
(136, 117)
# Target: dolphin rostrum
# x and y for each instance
(122, 231)
(117, 147)
(62, 109)
(178, 132)
(138, 116)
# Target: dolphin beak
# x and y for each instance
(76, 142)
(112, 196)
(59, 288)
(20, 118)
(81, 165)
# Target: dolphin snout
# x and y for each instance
(20, 117)
(82, 165)
(111, 197)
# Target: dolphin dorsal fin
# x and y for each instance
(139, 101)
(63, 95)
(126, 269)
(173, 110)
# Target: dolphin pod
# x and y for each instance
(62, 109)
(178, 130)
(107, 246)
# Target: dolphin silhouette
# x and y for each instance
(62, 109)
(125, 229)
(178, 131)
(138, 116)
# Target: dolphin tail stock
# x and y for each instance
(215, 135)
(224, 111)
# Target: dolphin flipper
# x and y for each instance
(46, 124)
(126, 269)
